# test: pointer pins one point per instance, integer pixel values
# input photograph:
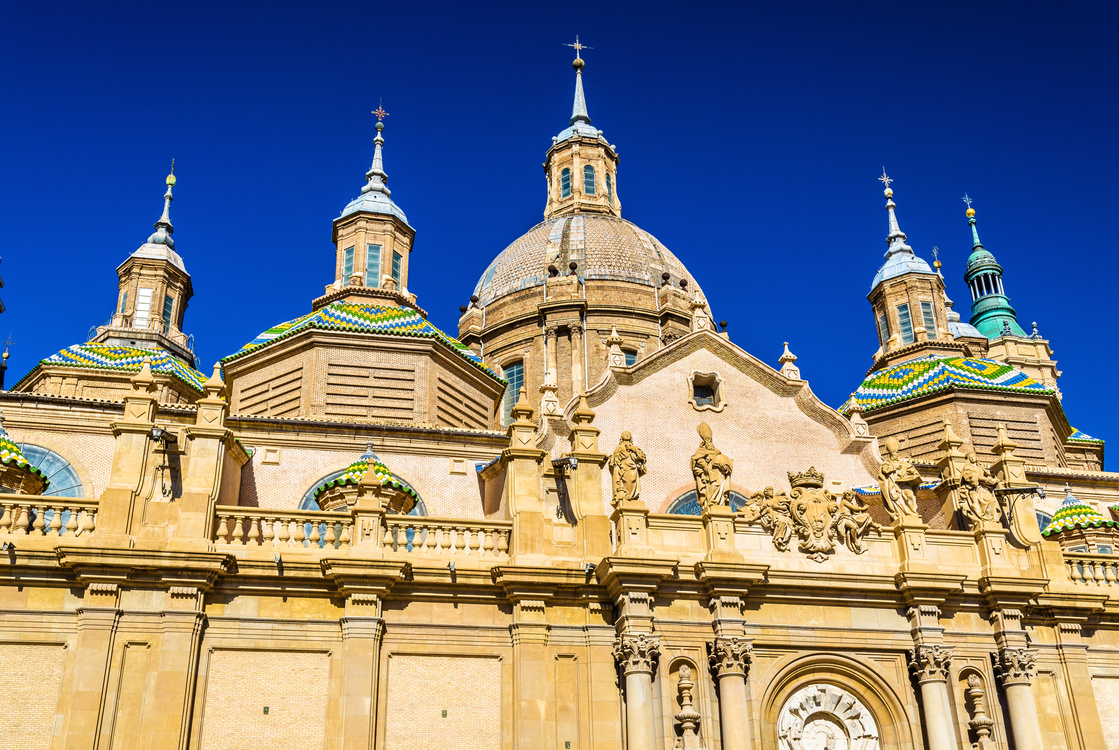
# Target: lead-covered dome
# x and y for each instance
(605, 247)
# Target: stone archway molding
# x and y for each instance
(801, 680)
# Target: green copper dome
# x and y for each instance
(991, 312)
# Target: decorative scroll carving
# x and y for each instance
(687, 718)
(977, 497)
(826, 716)
(898, 480)
(1015, 666)
(730, 656)
(979, 723)
(930, 663)
(819, 518)
(637, 653)
(711, 470)
(627, 465)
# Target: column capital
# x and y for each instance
(930, 663)
(1015, 666)
(637, 653)
(576, 329)
(551, 331)
(730, 656)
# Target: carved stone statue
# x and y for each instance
(711, 470)
(772, 511)
(627, 464)
(978, 501)
(854, 521)
(898, 480)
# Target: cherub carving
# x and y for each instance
(627, 464)
(854, 520)
(979, 503)
(711, 470)
(898, 480)
(772, 511)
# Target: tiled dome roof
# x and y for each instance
(907, 380)
(1075, 514)
(125, 359)
(603, 246)
(11, 455)
(1080, 437)
(363, 318)
(404, 497)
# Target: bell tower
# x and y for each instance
(581, 166)
(154, 289)
(372, 240)
(908, 299)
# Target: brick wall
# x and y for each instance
(240, 684)
(30, 680)
(421, 688)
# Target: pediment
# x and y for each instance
(768, 423)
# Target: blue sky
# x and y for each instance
(751, 137)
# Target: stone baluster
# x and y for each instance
(331, 536)
(238, 531)
(254, 532)
(89, 521)
(6, 520)
(55, 527)
(223, 530)
(730, 660)
(503, 544)
(72, 522)
(316, 535)
(930, 665)
(637, 655)
(687, 718)
(980, 723)
(1015, 668)
(40, 522)
(487, 543)
(19, 522)
(300, 534)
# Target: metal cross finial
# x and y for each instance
(577, 47)
(936, 250)
(172, 166)
(884, 179)
(380, 111)
(966, 200)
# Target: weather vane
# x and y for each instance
(884, 179)
(380, 111)
(966, 200)
(577, 47)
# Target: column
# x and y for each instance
(730, 658)
(637, 655)
(80, 706)
(361, 651)
(550, 348)
(576, 330)
(1015, 668)
(930, 665)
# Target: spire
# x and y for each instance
(579, 108)
(991, 312)
(163, 228)
(896, 238)
(376, 174)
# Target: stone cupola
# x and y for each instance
(153, 294)
(991, 312)
(908, 298)
(581, 166)
(372, 240)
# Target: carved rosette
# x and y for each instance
(730, 656)
(1016, 666)
(930, 663)
(637, 653)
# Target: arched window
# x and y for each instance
(514, 374)
(610, 188)
(588, 180)
(565, 183)
(687, 505)
(64, 480)
(308, 501)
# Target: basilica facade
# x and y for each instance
(586, 520)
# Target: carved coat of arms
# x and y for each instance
(819, 518)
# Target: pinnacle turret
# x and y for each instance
(163, 228)
(991, 312)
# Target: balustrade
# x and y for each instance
(1092, 570)
(425, 535)
(30, 515)
(245, 527)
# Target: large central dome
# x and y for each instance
(604, 247)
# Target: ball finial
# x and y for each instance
(970, 212)
(888, 192)
(170, 180)
(577, 63)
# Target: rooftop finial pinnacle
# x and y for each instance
(579, 109)
(896, 239)
(163, 228)
(376, 176)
